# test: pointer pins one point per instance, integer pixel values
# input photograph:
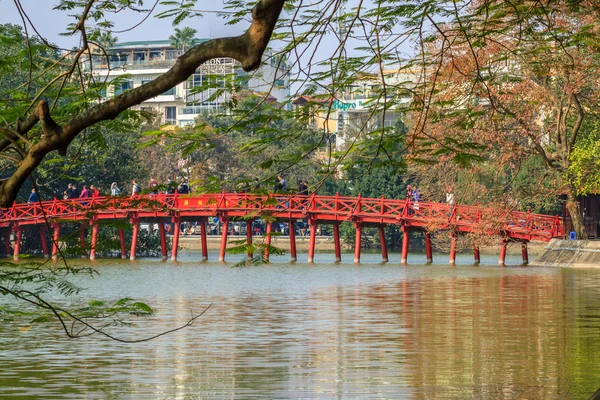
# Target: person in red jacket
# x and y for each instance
(95, 191)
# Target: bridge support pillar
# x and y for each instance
(7, 249)
(428, 252)
(249, 239)
(293, 255)
(384, 252)
(476, 255)
(122, 242)
(268, 231)
(313, 239)
(55, 237)
(95, 228)
(357, 242)
(452, 249)
(82, 240)
(134, 238)
(44, 242)
(204, 239)
(336, 242)
(405, 242)
(176, 231)
(224, 233)
(18, 235)
(502, 258)
(524, 253)
(163, 240)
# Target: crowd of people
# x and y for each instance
(170, 187)
(182, 187)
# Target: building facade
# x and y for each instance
(209, 89)
(351, 111)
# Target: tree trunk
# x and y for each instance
(574, 210)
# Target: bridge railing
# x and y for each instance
(373, 210)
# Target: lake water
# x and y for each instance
(325, 331)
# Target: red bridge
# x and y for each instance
(509, 226)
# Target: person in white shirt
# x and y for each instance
(450, 196)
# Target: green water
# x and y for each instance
(325, 331)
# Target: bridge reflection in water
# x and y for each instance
(509, 226)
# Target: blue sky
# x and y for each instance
(50, 23)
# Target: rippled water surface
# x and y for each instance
(325, 331)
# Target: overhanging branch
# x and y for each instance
(247, 49)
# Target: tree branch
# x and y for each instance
(247, 49)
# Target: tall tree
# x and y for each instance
(183, 38)
(509, 83)
(106, 40)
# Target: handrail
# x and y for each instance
(523, 225)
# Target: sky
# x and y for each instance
(50, 23)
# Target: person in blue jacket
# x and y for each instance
(33, 197)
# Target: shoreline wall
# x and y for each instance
(570, 254)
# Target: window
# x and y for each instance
(170, 115)
(120, 88)
(170, 92)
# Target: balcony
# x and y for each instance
(190, 110)
(135, 65)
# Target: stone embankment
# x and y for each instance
(570, 253)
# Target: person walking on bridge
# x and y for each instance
(33, 197)
(135, 188)
(183, 187)
(114, 189)
(450, 196)
(94, 191)
(74, 192)
(69, 192)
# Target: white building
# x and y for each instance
(141, 62)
